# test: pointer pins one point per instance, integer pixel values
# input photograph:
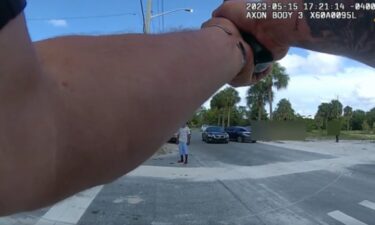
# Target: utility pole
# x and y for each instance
(148, 17)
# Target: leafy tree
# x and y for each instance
(358, 118)
(335, 110)
(254, 113)
(284, 110)
(322, 115)
(196, 119)
(278, 79)
(327, 112)
(223, 102)
(242, 110)
(257, 96)
(365, 126)
(310, 124)
(348, 113)
(217, 105)
(210, 116)
(231, 99)
(370, 117)
(240, 116)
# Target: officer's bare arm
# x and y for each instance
(81, 111)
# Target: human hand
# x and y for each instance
(275, 34)
(247, 75)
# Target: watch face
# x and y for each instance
(261, 67)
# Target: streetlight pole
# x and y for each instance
(149, 16)
(172, 11)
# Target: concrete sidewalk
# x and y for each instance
(343, 148)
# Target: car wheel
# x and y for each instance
(253, 141)
(239, 139)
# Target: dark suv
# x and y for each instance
(215, 134)
(239, 134)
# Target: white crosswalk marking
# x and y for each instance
(345, 219)
(368, 204)
(70, 211)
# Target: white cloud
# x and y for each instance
(314, 63)
(58, 23)
(319, 78)
(353, 86)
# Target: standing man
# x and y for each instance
(184, 136)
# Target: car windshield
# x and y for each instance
(215, 129)
(242, 129)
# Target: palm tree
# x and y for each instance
(323, 114)
(217, 105)
(348, 113)
(231, 97)
(224, 101)
(257, 96)
(278, 79)
(284, 110)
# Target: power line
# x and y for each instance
(143, 16)
(81, 17)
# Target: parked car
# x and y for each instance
(240, 134)
(215, 134)
(173, 139)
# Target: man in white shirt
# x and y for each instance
(184, 136)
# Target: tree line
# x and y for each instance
(224, 111)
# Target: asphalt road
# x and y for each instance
(233, 184)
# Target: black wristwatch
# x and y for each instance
(9, 9)
(263, 58)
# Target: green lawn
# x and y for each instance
(345, 135)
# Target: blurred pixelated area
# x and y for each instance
(278, 130)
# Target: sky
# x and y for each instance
(314, 77)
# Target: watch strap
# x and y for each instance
(262, 56)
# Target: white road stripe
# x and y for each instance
(70, 210)
(368, 204)
(345, 219)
